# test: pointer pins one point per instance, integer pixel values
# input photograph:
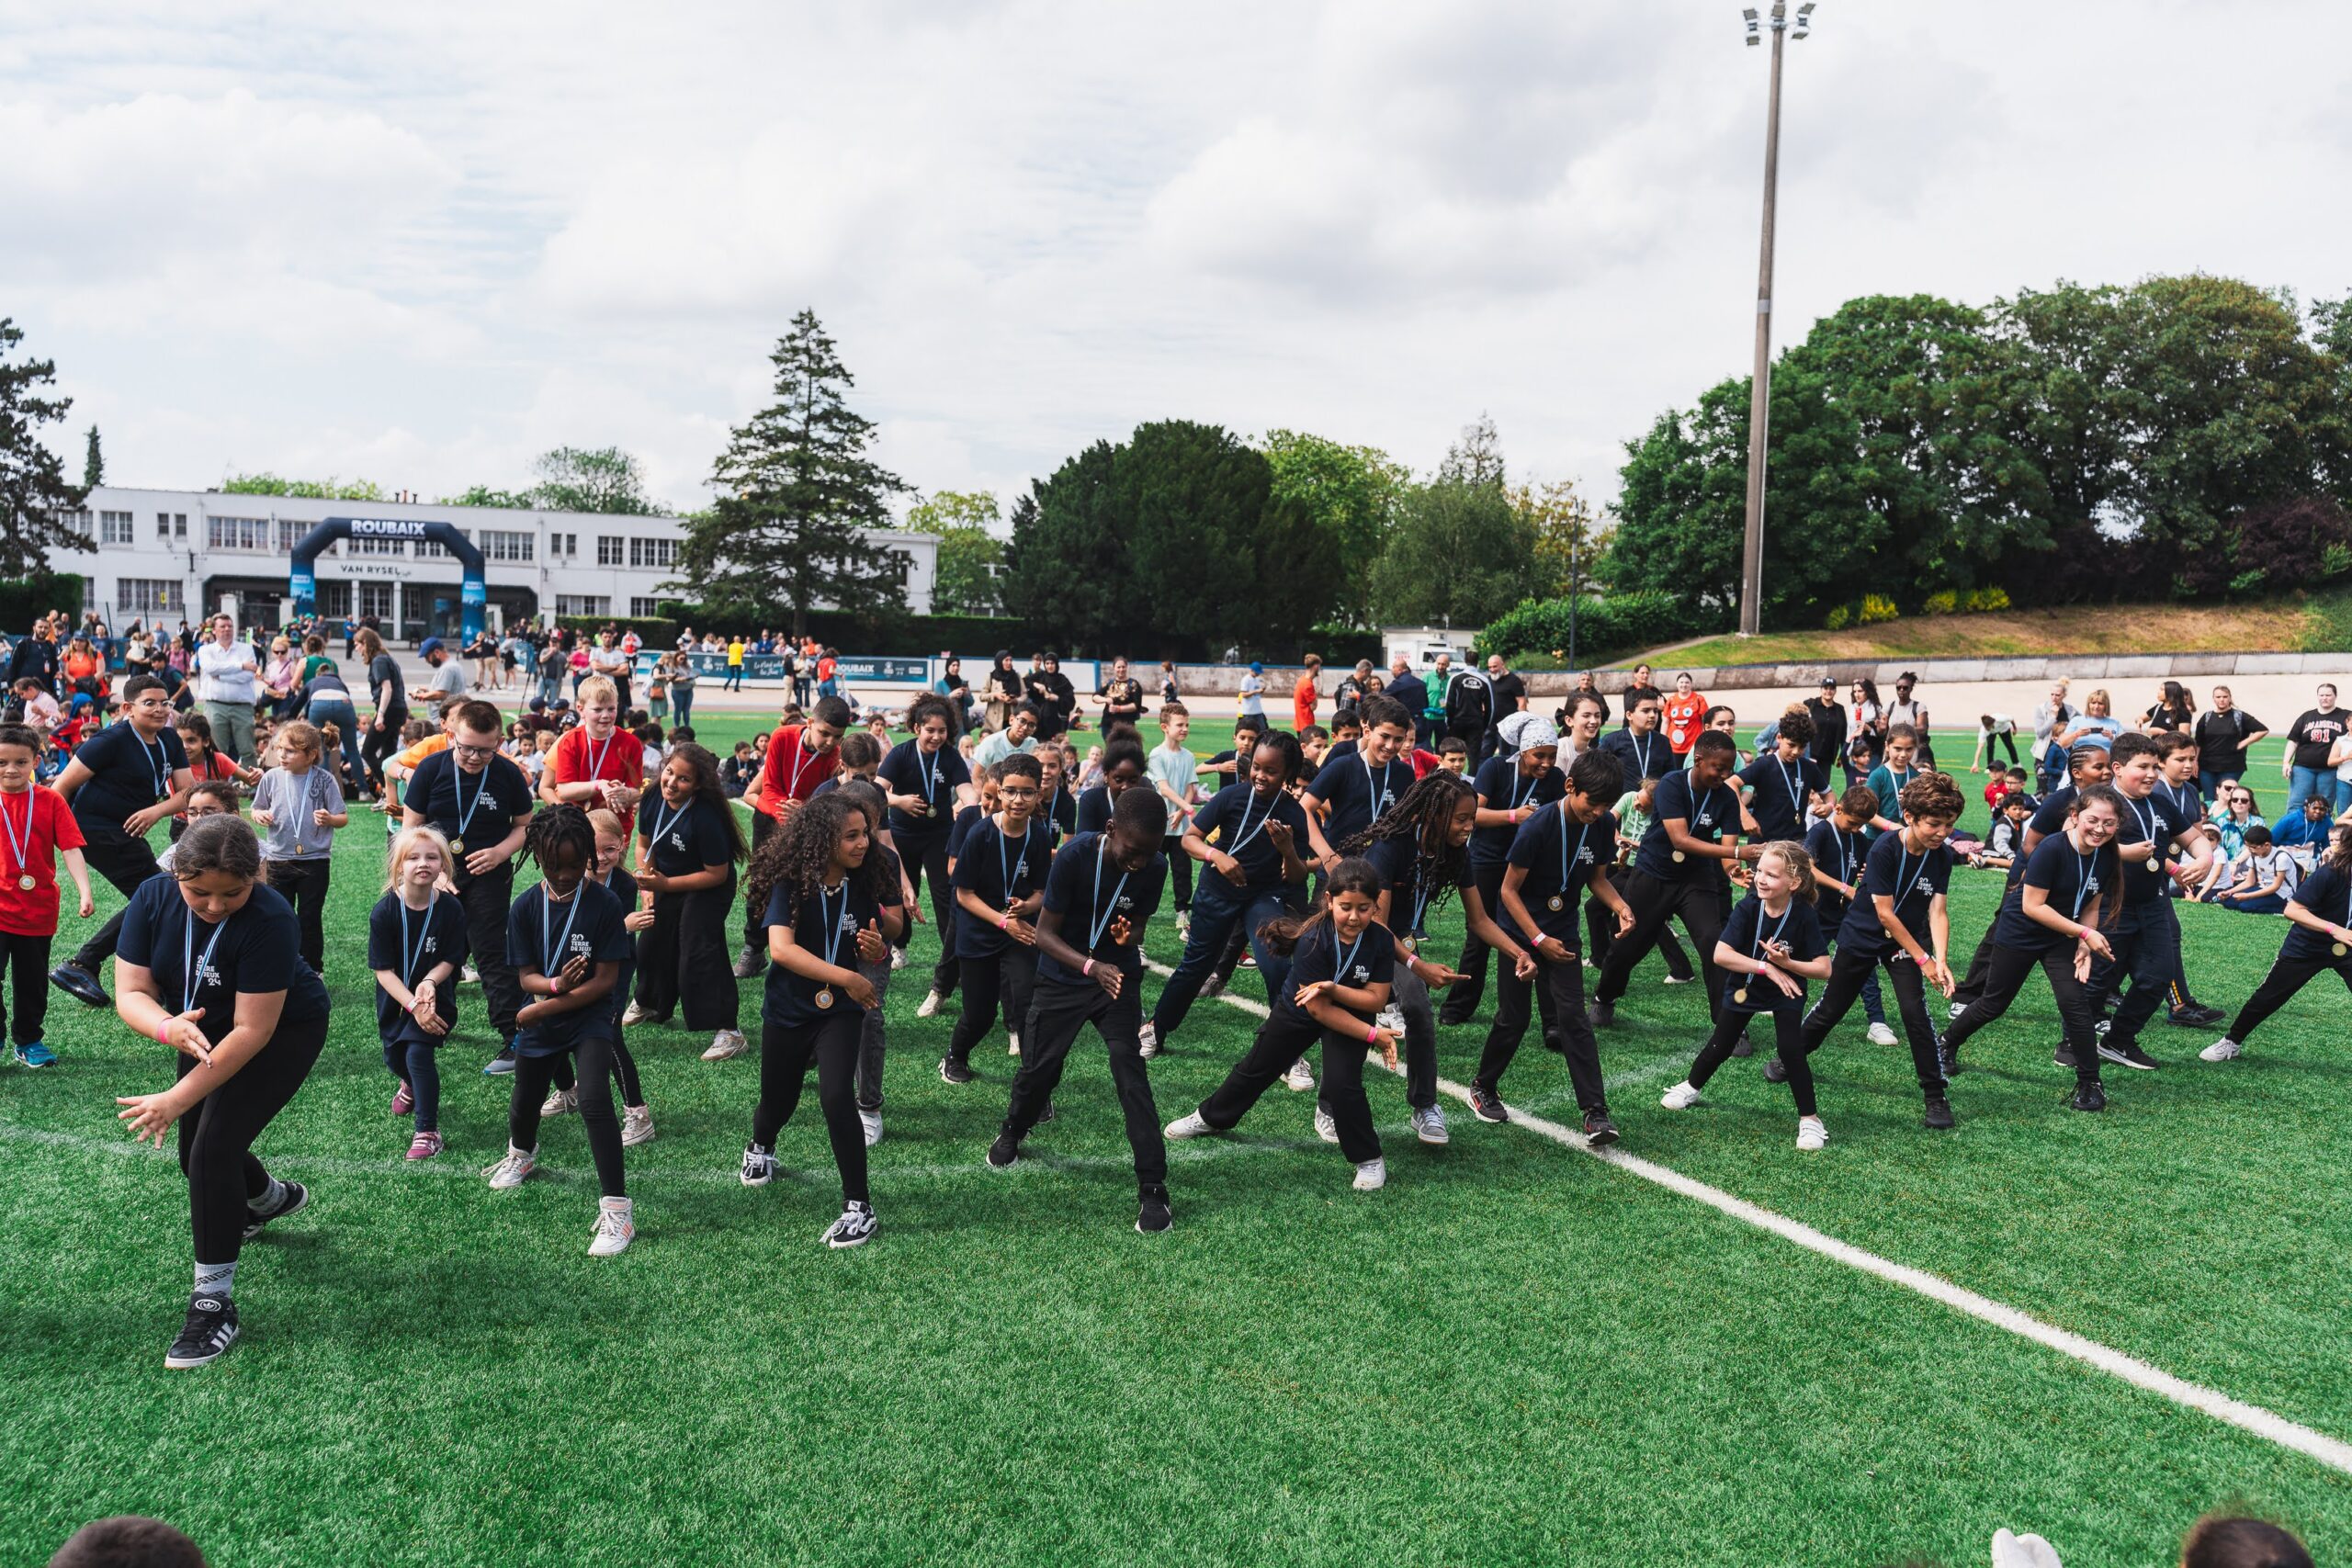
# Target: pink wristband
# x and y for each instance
(1004, 922)
(1089, 970)
(163, 1033)
(1371, 1035)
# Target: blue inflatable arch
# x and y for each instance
(472, 592)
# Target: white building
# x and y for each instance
(171, 554)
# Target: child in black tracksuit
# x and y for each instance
(416, 938)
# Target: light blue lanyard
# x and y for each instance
(1795, 798)
(553, 952)
(1761, 942)
(832, 924)
(465, 812)
(1004, 874)
(930, 774)
(192, 968)
(158, 762)
(409, 955)
(1339, 975)
(1903, 865)
(1377, 792)
(1567, 859)
(1104, 913)
(1248, 832)
(1519, 798)
(2082, 881)
(661, 822)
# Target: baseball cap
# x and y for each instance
(1829, 683)
(429, 647)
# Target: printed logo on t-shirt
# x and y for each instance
(207, 973)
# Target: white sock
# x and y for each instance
(614, 1205)
(216, 1279)
(271, 1200)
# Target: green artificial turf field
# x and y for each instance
(1515, 1353)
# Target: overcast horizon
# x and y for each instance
(420, 247)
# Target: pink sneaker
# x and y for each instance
(424, 1145)
(402, 1100)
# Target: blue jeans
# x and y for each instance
(339, 712)
(2268, 904)
(2306, 783)
(2211, 783)
(550, 683)
(682, 704)
(1215, 907)
(414, 1064)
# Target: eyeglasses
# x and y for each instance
(462, 750)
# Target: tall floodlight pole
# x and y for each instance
(1751, 563)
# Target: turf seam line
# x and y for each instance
(2265, 1423)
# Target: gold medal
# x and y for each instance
(1558, 904)
(1678, 857)
(457, 846)
(825, 996)
(2337, 949)
(26, 882)
(1740, 994)
(1411, 944)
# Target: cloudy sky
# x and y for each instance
(423, 242)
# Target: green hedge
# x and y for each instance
(24, 600)
(1536, 633)
(651, 630)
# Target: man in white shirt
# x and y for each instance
(227, 684)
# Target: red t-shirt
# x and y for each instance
(1682, 717)
(791, 773)
(32, 911)
(216, 766)
(1302, 701)
(619, 757)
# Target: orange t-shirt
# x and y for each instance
(1303, 698)
(1682, 717)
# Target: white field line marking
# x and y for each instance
(2268, 1424)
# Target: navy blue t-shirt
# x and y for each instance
(2156, 819)
(965, 821)
(1399, 861)
(1221, 822)
(486, 803)
(1643, 757)
(2326, 893)
(1560, 858)
(623, 886)
(1748, 929)
(412, 945)
(1370, 960)
(256, 951)
(543, 936)
(1840, 855)
(999, 872)
(1357, 791)
(934, 778)
(1093, 808)
(2188, 803)
(685, 840)
(1912, 878)
(825, 923)
(127, 775)
(2074, 882)
(1783, 794)
(1089, 891)
(1502, 787)
(1059, 810)
(1710, 818)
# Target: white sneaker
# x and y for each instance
(1189, 1125)
(633, 1015)
(1011, 1043)
(871, 1121)
(615, 1228)
(1325, 1127)
(759, 1165)
(512, 1171)
(1301, 1077)
(930, 1004)
(725, 1044)
(560, 1101)
(1147, 1042)
(2222, 1050)
(1429, 1125)
(1392, 1018)
(1811, 1133)
(1955, 1009)
(1681, 979)
(1881, 1034)
(1183, 922)
(637, 1125)
(1682, 1097)
(898, 959)
(854, 1229)
(1372, 1176)
(469, 976)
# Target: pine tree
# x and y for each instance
(796, 493)
(37, 505)
(93, 462)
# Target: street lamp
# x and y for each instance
(1752, 568)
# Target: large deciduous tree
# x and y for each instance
(38, 506)
(970, 555)
(1351, 496)
(592, 478)
(1460, 555)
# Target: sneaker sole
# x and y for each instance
(610, 1252)
(1602, 1140)
(1161, 1230)
(858, 1240)
(2121, 1060)
(1496, 1120)
(1436, 1140)
(182, 1364)
(967, 1077)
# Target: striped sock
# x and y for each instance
(216, 1279)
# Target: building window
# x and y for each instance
(564, 546)
(506, 543)
(148, 596)
(115, 528)
(378, 547)
(652, 552)
(643, 609)
(608, 549)
(289, 534)
(376, 599)
(334, 600)
(583, 605)
(236, 533)
(78, 522)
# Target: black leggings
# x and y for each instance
(1005, 977)
(2008, 968)
(1600, 929)
(26, 958)
(1463, 996)
(535, 1074)
(1848, 970)
(304, 884)
(2286, 977)
(928, 858)
(1281, 1040)
(623, 1069)
(376, 746)
(485, 900)
(217, 1136)
(1789, 1036)
(756, 937)
(785, 1054)
(1180, 870)
(683, 959)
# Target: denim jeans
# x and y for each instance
(339, 712)
(2304, 783)
(1216, 908)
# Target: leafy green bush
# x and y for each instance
(1875, 608)
(1944, 603)
(1537, 630)
(1987, 600)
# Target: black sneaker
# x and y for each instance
(1047, 1114)
(1775, 1069)
(1151, 1210)
(1939, 1115)
(1601, 1015)
(1951, 1060)
(1003, 1152)
(297, 1196)
(749, 963)
(1743, 1047)
(2196, 1015)
(82, 985)
(210, 1330)
(1600, 1131)
(1455, 1017)
(1487, 1105)
(2127, 1054)
(2063, 1057)
(952, 1071)
(2089, 1097)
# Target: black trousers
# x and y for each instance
(304, 884)
(756, 937)
(1654, 900)
(1558, 990)
(217, 1136)
(2148, 952)
(2006, 973)
(786, 1050)
(1789, 1035)
(623, 1069)
(1461, 998)
(1847, 969)
(1004, 979)
(1057, 1014)
(1410, 997)
(26, 958)
(485, 900)
(126, 863)
(1980, 970)
(1180, 870)
(375, 747)
(682, 958)
(1601, 931)
(1281, 1041)
(927, 857)
(535, 1074)
(2286, 977)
